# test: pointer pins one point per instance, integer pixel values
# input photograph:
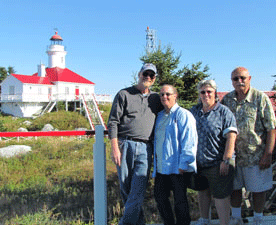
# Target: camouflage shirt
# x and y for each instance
(254, 116)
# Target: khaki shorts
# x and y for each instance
(220, 186)
(253, 179)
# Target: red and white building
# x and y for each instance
(26, 95)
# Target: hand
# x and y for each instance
(265, 161)
(116, 155)
(224, 168)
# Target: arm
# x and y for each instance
(268, 120)
(266, 159)
(113, 123)
(115, 115)
(229, 151)
(187, 143)
(115, 151)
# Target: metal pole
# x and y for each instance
(100, 193)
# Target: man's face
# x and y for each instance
(241, 81)
(147, 78)
(167, 97)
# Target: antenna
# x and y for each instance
(151, 40)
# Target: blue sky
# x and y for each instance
(105, 39)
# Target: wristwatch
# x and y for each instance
(226, 161)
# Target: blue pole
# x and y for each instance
(100, 191)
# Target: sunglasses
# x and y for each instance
(149, 74)
(203, 92)
(168, 94)
(237, 78)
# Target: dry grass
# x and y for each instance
(54, 184)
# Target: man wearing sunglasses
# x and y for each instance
(254, 144)
(130, 128)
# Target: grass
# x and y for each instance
(57, 174)
(54, 183)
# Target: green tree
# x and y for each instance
(5, 72)
(184, 79)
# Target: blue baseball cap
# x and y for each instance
(149, 66)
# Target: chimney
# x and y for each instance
(41, 70)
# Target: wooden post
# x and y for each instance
(100, 190)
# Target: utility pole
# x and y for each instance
(151, 40)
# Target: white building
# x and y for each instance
(26, 95)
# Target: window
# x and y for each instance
(39, 91)
(67, 90)
(11, 90)
(86, 91)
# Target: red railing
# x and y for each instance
(48, 133)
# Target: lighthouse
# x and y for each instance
(56, 52)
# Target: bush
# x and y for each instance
(105, 109)
(62, 120)
(60, 106)
(11, 123)
(2, 127)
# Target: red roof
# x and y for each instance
(56, 37)
(64, 75)
(53, 75)
(32, 79)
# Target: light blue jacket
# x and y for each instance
(180, 144)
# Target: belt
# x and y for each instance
(137, 140)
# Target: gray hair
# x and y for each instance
(210, 83)
(172, 87)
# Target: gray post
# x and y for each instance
(100, 191)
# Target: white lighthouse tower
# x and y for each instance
(56, 52)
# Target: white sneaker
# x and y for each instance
(258, 220)
(202, 221)
(235, 221)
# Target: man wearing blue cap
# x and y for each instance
(130, 127)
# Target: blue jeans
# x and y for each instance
(133, 176)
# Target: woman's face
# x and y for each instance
(207, 95)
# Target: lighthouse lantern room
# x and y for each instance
(56, 52)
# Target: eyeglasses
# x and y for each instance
(237, 78)
(166, 93)
(149, 74)
(203, 92)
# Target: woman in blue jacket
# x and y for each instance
(175, 146)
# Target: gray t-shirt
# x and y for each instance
(133, 114)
